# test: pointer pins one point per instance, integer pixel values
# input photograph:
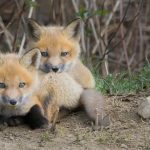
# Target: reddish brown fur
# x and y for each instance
(11, 73)
(55, 41)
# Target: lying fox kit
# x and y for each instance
(18, 83)
(60, 50)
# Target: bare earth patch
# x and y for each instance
(127, 131)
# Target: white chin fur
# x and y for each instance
(68, 66)
(25, 98)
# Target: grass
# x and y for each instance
(123, 83)
(45, 137)
(147, 148)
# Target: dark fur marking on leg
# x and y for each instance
(2, 119)
(35, 119)
(47, 100)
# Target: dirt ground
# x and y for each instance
(127, 131)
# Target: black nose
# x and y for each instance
(13, 102)
(55, 69)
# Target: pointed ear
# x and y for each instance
(73, 29)
(31, 58)
(34, 29)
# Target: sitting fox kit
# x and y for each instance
(60, 50)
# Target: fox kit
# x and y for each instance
(60, 50)
(18, 83)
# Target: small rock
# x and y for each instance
(41, 144)
(11, 138)
(123, 146)
(144, 108)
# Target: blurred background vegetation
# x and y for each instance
(115, 34)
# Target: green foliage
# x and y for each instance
(147, 148)
(122, 83)
(30, 3)
(85, 13)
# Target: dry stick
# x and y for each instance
(17, 27)
(98, 24)
(98, 41)
(87, 39)
(7, 34)
(110, 17)
(106, 42)
(11, 21)
(147, 53)
(127, 43)
(98, 18)
(103, 41)
(119, 40)
(107, 51)
(19, 9)
(24, 35)
(134, 18)
(103, 32)
(82, 27)
(75, 6)
(63, 13)
(141, 38)
(95, 35)
(97, 44)
(123, 40)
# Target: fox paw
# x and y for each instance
(42, 123)
(14, 121)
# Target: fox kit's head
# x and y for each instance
(17, 77)
(59, 45)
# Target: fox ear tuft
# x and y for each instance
(73, 29)
(34, 30)
(31, 58)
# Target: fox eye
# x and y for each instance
(2, 85)
(21, 84)
(44, 54)
(63, 54)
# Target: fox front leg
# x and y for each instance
(55, 118)
(2, 119)
(52, 114)
(35, 118)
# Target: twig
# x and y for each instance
(107, 51)
(7, 34)
(17, 27)
(75, 6)
(82, 27)
(24, 35)
(123, 40)
(110, 17)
